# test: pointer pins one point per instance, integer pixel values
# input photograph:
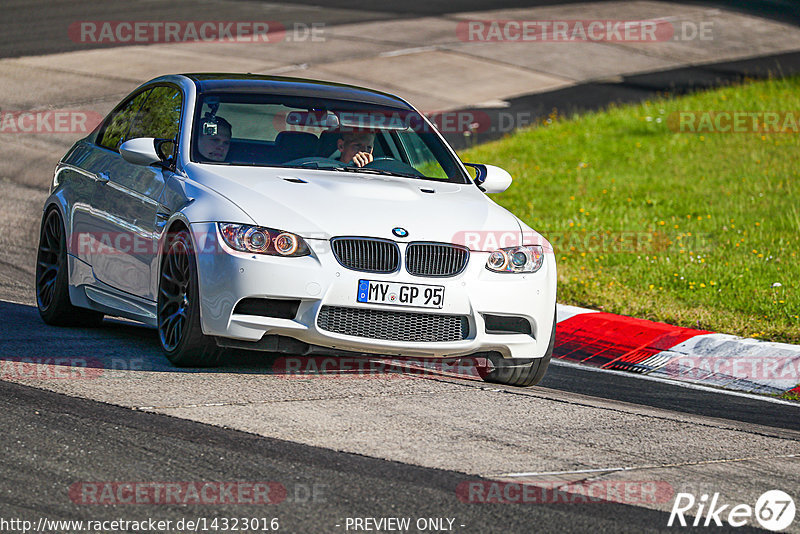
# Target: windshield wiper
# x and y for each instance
(377, 171)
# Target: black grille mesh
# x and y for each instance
(394, 326)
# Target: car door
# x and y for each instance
(126, 209)
(95, 229)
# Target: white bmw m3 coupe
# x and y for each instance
(296, 216)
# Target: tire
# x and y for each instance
(179, 331)
(52, 285)
(520, 372)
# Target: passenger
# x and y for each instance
(356, 148)
(214, 139)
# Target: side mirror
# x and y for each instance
(490, 179)
(140, 151)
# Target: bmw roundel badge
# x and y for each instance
(400, 232)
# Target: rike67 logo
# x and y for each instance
(774, 510)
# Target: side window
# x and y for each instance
(117, 124)
(159, 116)
(420, 155)
(418, 152)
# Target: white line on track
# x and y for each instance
(408, 51)
(638, 467)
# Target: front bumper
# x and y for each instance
(226, 277)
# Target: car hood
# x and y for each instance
(323, 204)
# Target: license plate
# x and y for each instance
(417, 295)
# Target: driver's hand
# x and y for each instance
(362, 158)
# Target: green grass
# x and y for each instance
(790, 395)
(709, 223)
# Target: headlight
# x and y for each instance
(260, 240)
(524, 259)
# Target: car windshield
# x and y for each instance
(316, 133)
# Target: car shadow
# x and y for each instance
(122, 345)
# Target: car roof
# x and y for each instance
(257, 83)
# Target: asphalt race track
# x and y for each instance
(102, 407)
(90, 440)
(449, 430)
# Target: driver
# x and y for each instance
(356, 147)
(214, 139)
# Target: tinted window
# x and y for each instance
(159, 116)
(119, 121)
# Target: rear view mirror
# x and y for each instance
(317, 119)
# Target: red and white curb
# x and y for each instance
(660, 350)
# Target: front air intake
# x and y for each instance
(278, 308)
(393, 326)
